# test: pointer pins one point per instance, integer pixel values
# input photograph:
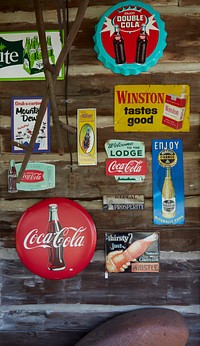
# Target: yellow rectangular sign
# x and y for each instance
(86, 137)
(149, 108)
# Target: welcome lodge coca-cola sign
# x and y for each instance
(56, 238)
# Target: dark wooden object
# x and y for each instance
(51, 80)
(35, 311)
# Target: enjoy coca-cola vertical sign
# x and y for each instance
(56, 238)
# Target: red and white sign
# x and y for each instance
(32, 176)
(56, 238)
(126, 166)
(174, 111)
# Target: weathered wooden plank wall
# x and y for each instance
(33, 310)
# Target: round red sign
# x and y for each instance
(56, 238)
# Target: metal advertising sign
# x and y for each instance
(56, 238)
(37, 176)
(24, 111)
(21, 57)
(86, 137)
(130, 38)
(149, 108)
(123, 202)
(132, 252)
(168, 181)
(126, 160)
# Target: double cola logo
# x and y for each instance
(11, 53)
(65, 237)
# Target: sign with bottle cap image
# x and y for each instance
(130, 38)
(21, 56)
(56, 238)
(168, 182)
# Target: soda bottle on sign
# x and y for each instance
(12, 177)
(118, 41)
(135, 250)
(168, 196)
(141, 46)
(27, 46)
(56, 256)
(50, 51)
(32, 53)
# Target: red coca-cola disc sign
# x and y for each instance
(56, 238)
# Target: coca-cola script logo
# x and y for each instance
(67, 236)
(125, 166)
(56, 238)
(32, 176)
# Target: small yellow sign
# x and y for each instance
(149, 108)
(86, 137)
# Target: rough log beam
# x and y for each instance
(61, 58)
(49, 71)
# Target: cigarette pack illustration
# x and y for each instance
(174, 111)
(86, 137)
(132, 252)
(168, 182)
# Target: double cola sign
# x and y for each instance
(56, 238)
(126, 160)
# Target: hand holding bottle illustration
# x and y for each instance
(110, 266)
(118, 261)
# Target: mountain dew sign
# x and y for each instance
(21, 57)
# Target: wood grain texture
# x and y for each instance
(35, 311)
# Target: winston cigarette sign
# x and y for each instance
(149, 108)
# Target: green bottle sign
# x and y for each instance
(23, 49)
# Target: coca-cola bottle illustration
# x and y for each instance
(141, 46)
(118, 41)
(12, 177)
(135, 250)
(56, 256)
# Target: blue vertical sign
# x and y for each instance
(168, 181)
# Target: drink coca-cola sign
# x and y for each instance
(32, 176)
(37, 176)
(56, 238)
(126, 160)
(126, 166)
